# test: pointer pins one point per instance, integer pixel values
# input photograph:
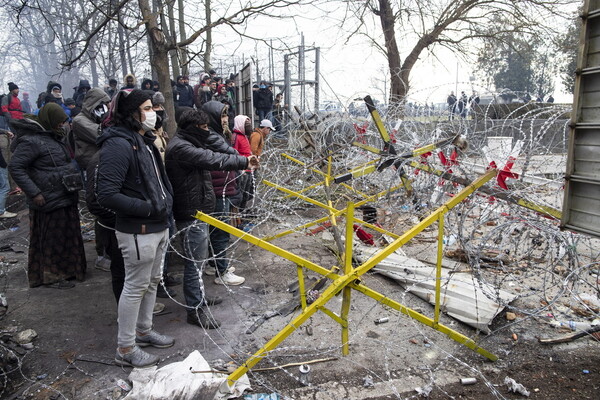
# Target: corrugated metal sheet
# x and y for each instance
(463, 297)
(581, 205)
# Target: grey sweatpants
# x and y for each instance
(143, 256)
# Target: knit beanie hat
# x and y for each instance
(12, 86)
(158, 98)
(130, 102)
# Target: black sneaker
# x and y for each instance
(211, 301)
(171, 280)
(164, 292)
(203, 320)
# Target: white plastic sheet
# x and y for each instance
(176, 381)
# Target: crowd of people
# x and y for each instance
(461, 106)
(141, 185)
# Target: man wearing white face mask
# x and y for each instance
(131, 181)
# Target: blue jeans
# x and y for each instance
(219, 240)
(195, 247)
(263, 113)
(4, 189)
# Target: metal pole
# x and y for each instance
(271, 64)
(287, 89)
(347, 292)
(301, 73)
(317, 75)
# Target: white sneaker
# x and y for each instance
(212, 271)
(230, 279)
(8, 214)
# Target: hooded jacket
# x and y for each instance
(223, 181)
(132, 181)
(50, 97)
(52, 84)
(146, 81)
(80, 92)
(190, 155)
(240, 141)
(38, 164)
(85, 128)
(133, 86)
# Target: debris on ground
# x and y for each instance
(262, 396)
(515, 387)
(25, 336)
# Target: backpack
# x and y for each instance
(7, 96)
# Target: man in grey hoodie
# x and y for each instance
(86, 129)
(86, 125)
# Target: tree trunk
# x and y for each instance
(122, 50)
(93, 63)
(207, 52)
(185, 68)
(160, 62)
(173, 37)
(398, 86)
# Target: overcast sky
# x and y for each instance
(354, 69)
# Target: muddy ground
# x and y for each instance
(73, 352)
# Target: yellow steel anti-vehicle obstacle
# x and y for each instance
(350, 278)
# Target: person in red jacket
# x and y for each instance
(242, 127)
(11, 105)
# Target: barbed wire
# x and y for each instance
(504, 246)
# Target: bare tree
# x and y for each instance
(425, 25)
(160, 46)
(143, 31)
(49, 33)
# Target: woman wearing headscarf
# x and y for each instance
(39, 166)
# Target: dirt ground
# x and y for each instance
(76, 328)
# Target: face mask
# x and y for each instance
(248, 128)
(150, 121)
(99, 112)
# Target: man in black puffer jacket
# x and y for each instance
(132, 182)
(263, 101)
(190, 156)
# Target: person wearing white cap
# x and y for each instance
(257, 137)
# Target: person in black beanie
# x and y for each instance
(131, 182)
(11, 105)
